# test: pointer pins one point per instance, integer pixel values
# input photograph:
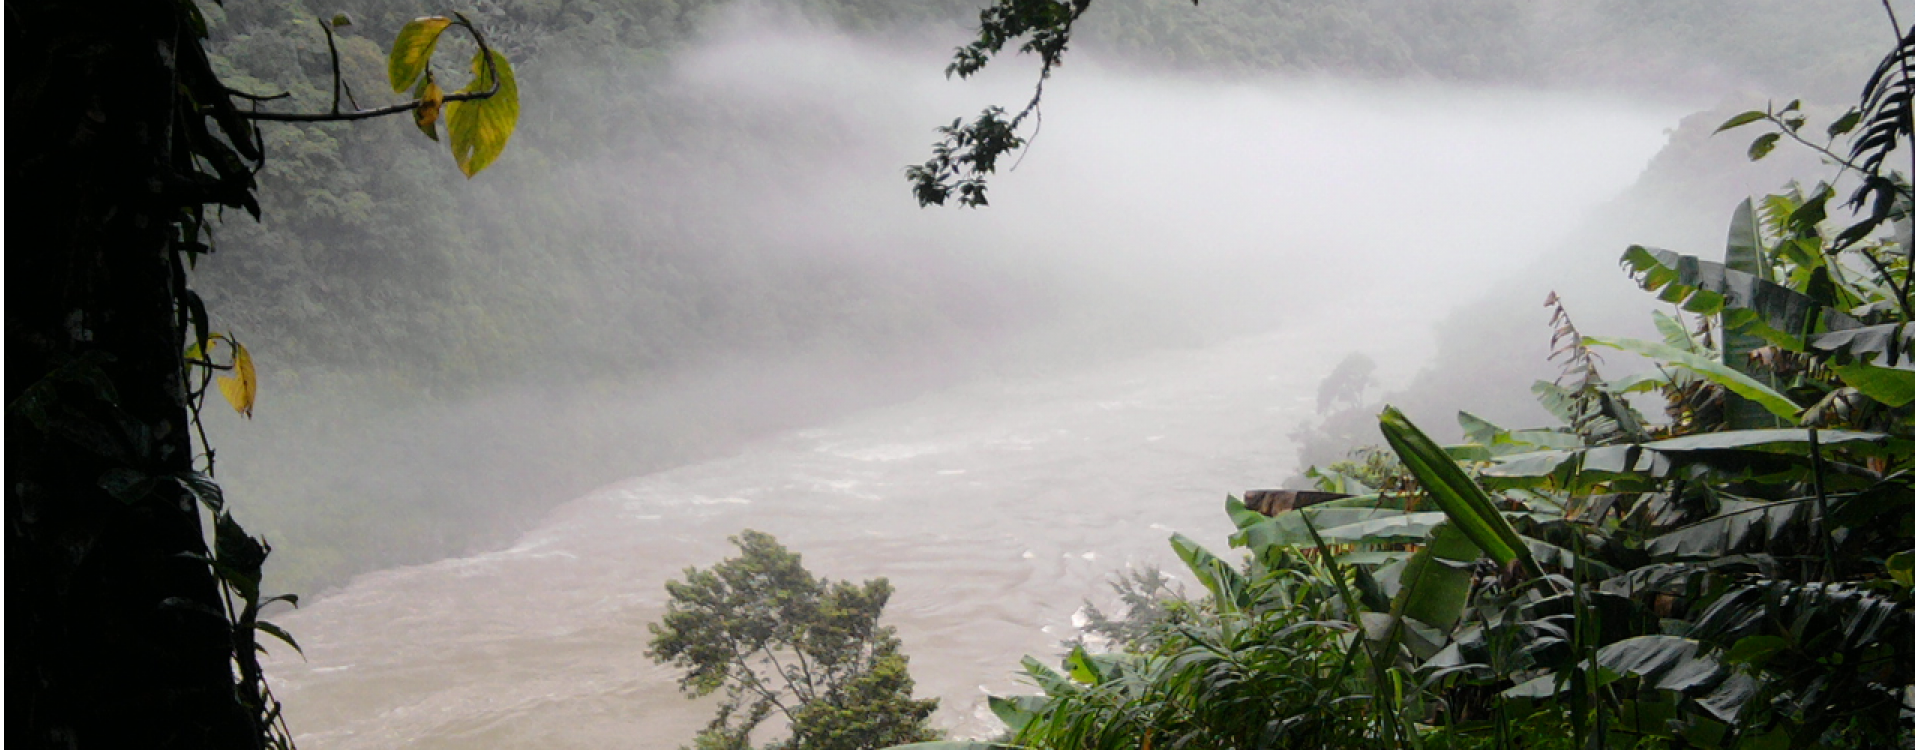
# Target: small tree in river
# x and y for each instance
(780, 641)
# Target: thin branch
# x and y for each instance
(486, 55)
(752, 680)
(1791, 133)
(366, 114)
(255, 97)
(333, 53)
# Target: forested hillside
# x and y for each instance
(631, 242)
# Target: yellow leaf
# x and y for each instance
(240, 387)
(412, 47)
(479, 129)
(430, 98)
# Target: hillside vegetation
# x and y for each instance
(622, 248)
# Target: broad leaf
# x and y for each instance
(412, 49)
(1741, 119)
(1047, 679)
(1773, 312)
(1727, 377)
(240, 387)
(1435, 583)
(1883, 384)
(1228, 587)
(1887, 345)
(479, 128)
(1745, 253)
(1740, 526)
(1468, 506)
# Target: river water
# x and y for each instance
(994, 509)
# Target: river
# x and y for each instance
(994, 508)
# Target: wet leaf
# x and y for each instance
(479, 128)
(412, 48)
(1845, 124)
(1468, 506)
(280, 633)
(1733, 380)
(1741, 119)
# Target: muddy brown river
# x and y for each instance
(994, 509)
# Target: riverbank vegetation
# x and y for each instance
(780, 644)
(1736, 573)
(594, 262)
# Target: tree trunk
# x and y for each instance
(118, 638)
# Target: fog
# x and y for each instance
(1200, 249)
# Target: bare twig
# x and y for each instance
(486, 55)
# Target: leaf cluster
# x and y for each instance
(774, 638)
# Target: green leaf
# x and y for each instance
(1900, 566)
(341, 20)
(1663, 662)
(1047, 679)
(1081, 668)
(1228, 587)
(1745, 253)
(1733, 380)
(1435, 583)
(280, 633)
(1402, 527)
(1242, 516)
(1756, 649)
(1845, 124)
(1883, 384)
(1741, 526)
(1016, 711)
(1468, 506)
(412, 49)
(1774, 312)
(203, 488)
(479, 128)
(1741, 119)
(1785, 441)
(1885, 345)
(1762, 146)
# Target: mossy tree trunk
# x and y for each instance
(118, 637)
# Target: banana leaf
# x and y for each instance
(1746, 302)
(1734, 380)
(1888, 345)
(1741, 526)
(1663, 662)
(1466, 505)
(1755, 453)
(1746, 253)
(1228, 586)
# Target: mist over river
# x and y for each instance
(993, 508)
(1335, 218)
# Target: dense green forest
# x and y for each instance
(380, 288)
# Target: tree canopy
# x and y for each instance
(776, 640)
